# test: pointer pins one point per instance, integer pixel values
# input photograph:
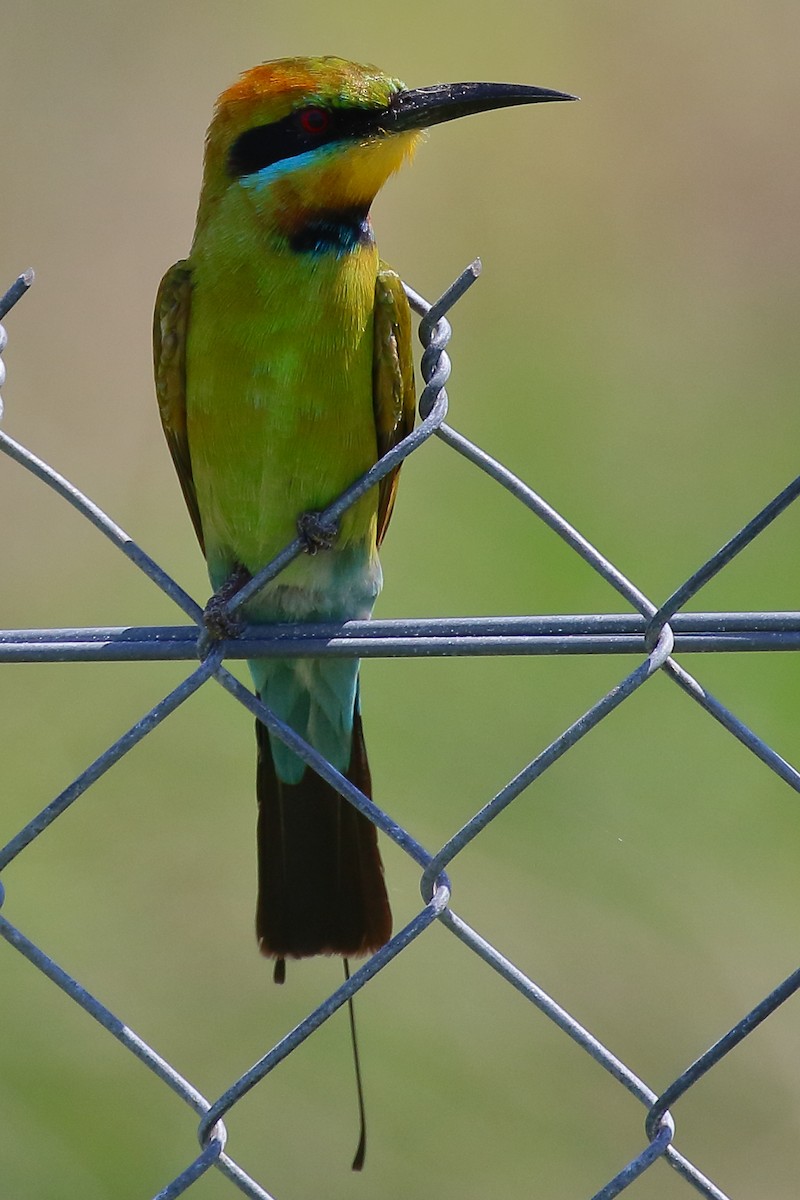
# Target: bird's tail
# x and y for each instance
(320, 876)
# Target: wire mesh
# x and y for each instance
(652, 634)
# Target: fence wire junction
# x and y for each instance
(651, 633)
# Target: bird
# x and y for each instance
(283, 365)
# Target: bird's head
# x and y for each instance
(299, 137)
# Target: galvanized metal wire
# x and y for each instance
(651, 633)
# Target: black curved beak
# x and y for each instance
(418, 108)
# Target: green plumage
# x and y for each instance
(283, 371)
(281, 377)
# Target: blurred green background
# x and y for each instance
(632, 351)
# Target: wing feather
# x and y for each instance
(393, 395)
(170, 329)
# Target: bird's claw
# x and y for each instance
(316, 534)
(219, 622)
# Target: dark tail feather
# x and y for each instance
(320, 876)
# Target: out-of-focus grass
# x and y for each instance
(630, 351)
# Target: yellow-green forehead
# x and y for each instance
(284, 84)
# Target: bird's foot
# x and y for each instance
(316, 534)
(219, 622)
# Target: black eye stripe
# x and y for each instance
(263, 145)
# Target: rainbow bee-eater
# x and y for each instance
(284, 370)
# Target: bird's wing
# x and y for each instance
(392, 380)
(170, 329)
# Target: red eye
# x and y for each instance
(315, 121)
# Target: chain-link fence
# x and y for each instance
(652, 634)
